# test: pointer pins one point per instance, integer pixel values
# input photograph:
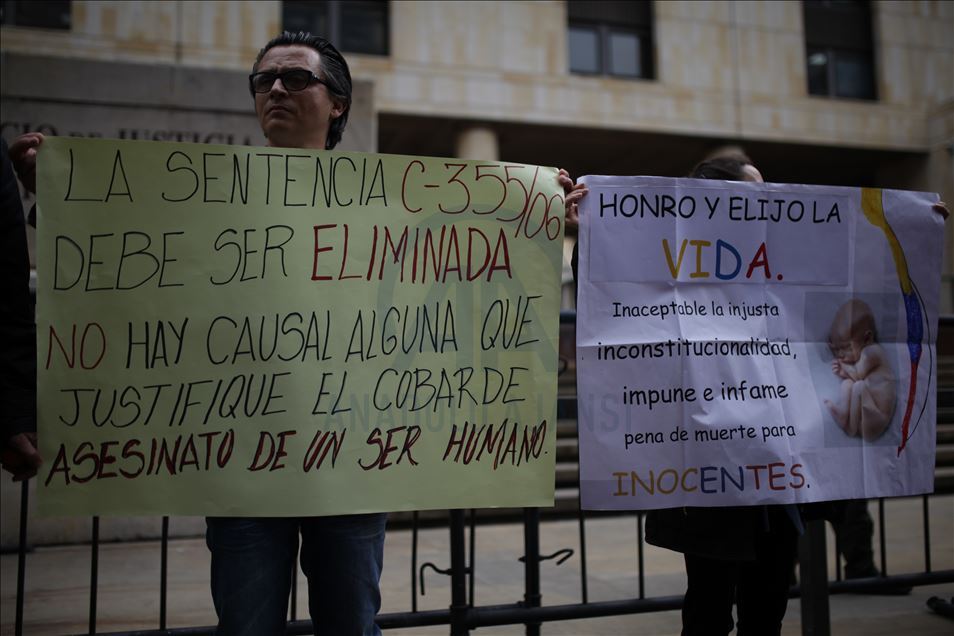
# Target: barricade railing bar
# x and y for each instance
(464, 615)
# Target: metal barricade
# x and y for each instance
(463, 615)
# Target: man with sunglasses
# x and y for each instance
(302, 90)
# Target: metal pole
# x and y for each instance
(531, 565)
(415, 521)
(471, 565)
(640, 557)
(883, 544)
(94, 576)
(927, 533)
(163, 572)
(458, 553)
(813, 571)
(584, 596)
(21, 556)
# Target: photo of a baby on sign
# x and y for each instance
(854, 375)
(868, 393)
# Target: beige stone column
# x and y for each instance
(477, 142)
(940, 178)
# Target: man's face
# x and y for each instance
(295, 119)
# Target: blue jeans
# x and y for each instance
(252, 561)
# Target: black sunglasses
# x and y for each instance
(297, 79)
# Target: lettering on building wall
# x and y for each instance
(11, 129)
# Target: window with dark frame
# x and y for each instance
(41, 14)
(839, 48)
(354, 26)
(607, 37)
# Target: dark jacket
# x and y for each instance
(17, 328)
(716, 533)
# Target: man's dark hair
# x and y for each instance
(723, 167)
(333, 70)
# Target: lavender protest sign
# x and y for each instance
(744, 343)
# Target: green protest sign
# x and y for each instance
(256, 331)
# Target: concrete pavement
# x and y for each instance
(57, 600)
